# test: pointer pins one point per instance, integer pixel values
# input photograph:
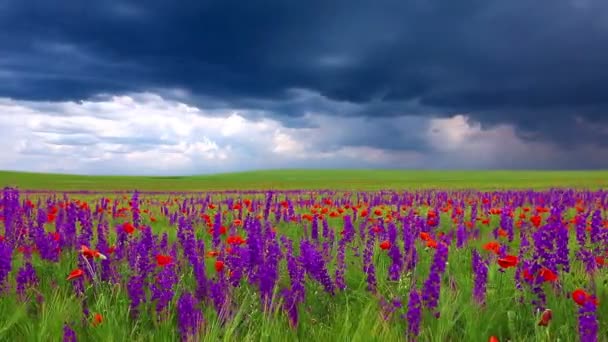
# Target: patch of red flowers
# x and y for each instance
(581, 297)
(163, 260)
(508, 261)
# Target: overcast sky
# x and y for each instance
(189, 87)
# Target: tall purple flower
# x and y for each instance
(189, 317)
(162, 289)
(135, 209)
(68, 334)
(315, 265)
(26, 277)
(461, 236)
(136, 292)
(368, 264)
(314, 229)
(587, 322)
(6, 264)
(432, 285)
(269, 270)
(480, 271)
(414, 314)
(341, 265)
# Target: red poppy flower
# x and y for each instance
(536, 220)
(581, 297)
(600, 260)
(77, 273)
(235, 240)
(545, 318)
(431, 244)
(493, 339)
(163, 260)
(527, 275)
(424, 236)
(508, 261)
(385, 245)
(128, 228)
(492, 246)
(91, 253)
(219, 265)
(97, 319)
(548, 275)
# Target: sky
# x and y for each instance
(194, 87)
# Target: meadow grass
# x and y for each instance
(350, 315)
(314, 179)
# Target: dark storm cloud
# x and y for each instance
(541, 65)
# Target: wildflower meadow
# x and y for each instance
(304, 265)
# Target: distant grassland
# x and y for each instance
(314, 179)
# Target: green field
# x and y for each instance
(314, 179)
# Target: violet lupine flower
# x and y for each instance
(396, 266)
(349, 229)
(135, 209)
(86, 227)
(362, 229)
(587, 257)
(146, 248)
(26, 277)
(269, 272)
(102, 245)
(562, 251)
(6, 264)
(341, 265)
(315, 265)
(136, 292)
(219, 296)
(269, 197)
(325, 224)
(296, 272)
(162, 289)
(588, 325)
(68, 334)
(200, 273)
(414, 314)
(595, 233)
(410, 255)
(290, 305)
(368, 264)
(10, 201)
(69, 231)
(189, 317)
(314, 229)
(581, 233)
(164, 243)
(506, 223)
(217, 225)
(432, 285)
(461, 236)
(480, 270)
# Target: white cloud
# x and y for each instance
(148, 134)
